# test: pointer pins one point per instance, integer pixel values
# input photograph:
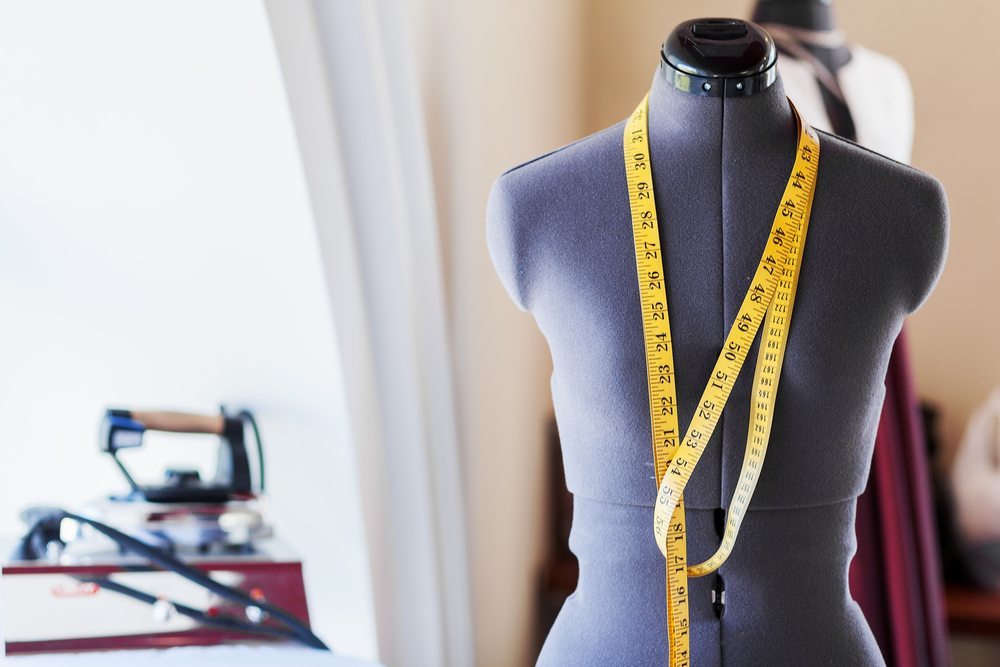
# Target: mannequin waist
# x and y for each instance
(786, 591)
(784, 559)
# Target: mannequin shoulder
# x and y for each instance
(905, 211)
(520, 193)
(876, 66)
(878, 88)
(878, 93)
(528, 202)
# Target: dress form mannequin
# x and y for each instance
(806, 29)
(812, 15)
(560, 236)
(868, 99)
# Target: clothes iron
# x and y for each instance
(187, 512)
(181, 563)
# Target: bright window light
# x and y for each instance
(157, 250)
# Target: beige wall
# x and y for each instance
(506, 81)
(501, 85)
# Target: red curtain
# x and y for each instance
(896, 575)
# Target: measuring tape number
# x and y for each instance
(768, 301)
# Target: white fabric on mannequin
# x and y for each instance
(877, 92)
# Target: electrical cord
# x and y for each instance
(219, 622)
(46, 521)
(247, 416)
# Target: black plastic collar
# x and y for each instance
(719, 58)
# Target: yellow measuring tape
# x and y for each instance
(769, 299)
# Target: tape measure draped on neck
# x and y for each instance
(769, 300)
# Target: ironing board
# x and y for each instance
(193, 656)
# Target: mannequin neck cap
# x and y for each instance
(719, 58)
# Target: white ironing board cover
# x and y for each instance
(194, 656)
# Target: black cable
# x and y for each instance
(168, 562)
(246, 415)
(220, 622)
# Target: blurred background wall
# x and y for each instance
(506, 81)
(501, 82)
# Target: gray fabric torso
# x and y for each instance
(560, 236)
